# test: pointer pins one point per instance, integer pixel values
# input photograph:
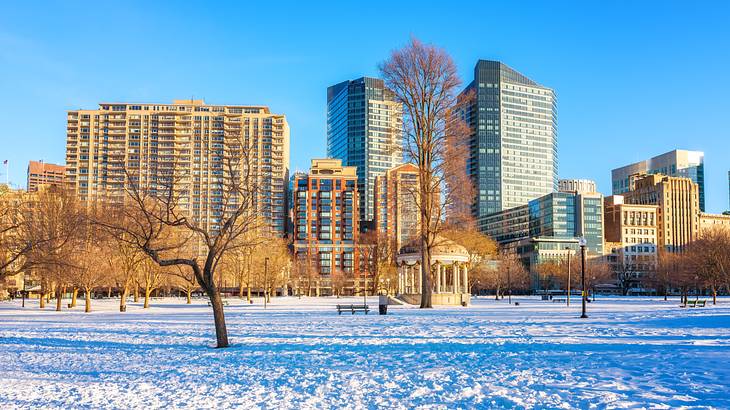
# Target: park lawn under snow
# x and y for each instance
(300, 354)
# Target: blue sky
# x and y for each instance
(634, 78)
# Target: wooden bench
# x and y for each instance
(225, 303)
(352, 309)
(696, 303)
(561, 300)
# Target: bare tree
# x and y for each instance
(125, 260)
(149, 278)
(709, 258)
(163, 224)
(424, 79)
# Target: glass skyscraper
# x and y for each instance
(365, 130)
(677, 163)
(514, 156)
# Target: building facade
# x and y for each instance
(326, 229)
(513, 121)
(677, 163)
(188, 141)
(631, 230)
(396, 210)
(365, 130)
(41, 173)
(678, 205)
(548, 228)
(713, 221)
(577, 186)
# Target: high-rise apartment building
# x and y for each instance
(41, 173)
(365, 130)
(188, 141)
(678, 202)
(514, 148)
(396, 210)
(677, 163)
(326, 228)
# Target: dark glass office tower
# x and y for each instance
(514, 155)
(365, 130)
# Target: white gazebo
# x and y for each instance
(449, 273)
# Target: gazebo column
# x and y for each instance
(466, 280)
(410, 279)
(438, 278)
(419, 281)
(400, 280)
(406, 278)
(457, 278)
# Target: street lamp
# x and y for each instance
(567, 299)
(582, 243)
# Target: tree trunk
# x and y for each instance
(136, 293)
(87, 308)
(714, 295)
(74, 295)
(147, 293)
(425, 275)
(189, 295)
(496, 293)
(123, 299)
(109, 292)
(221, 334)
(248, 293)
(240, 290)
(59, 297)
(42, 300)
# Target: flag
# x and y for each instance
(5, 162)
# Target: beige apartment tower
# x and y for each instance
(155, 142)
(678, 205)
(397, 214)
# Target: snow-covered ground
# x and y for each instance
(301, 354)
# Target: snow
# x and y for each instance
(298, 353)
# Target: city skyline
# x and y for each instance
(604, 107)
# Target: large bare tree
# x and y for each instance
(424, 79)
(159, 219)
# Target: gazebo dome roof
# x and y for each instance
(442, 246)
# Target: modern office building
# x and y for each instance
(41, 173)
(365, 130)
(549, 227)
(514, 154)
(578, 186)
(396, 210)
(678, 202)
(188, 141)
(677, 163)
(631, 231)
(326, 228)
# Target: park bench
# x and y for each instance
(561, 300)
(352, 308)
(225, 303)
(696, 303)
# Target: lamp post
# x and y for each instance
(582, 243)
(266, 280)
(567, 299)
